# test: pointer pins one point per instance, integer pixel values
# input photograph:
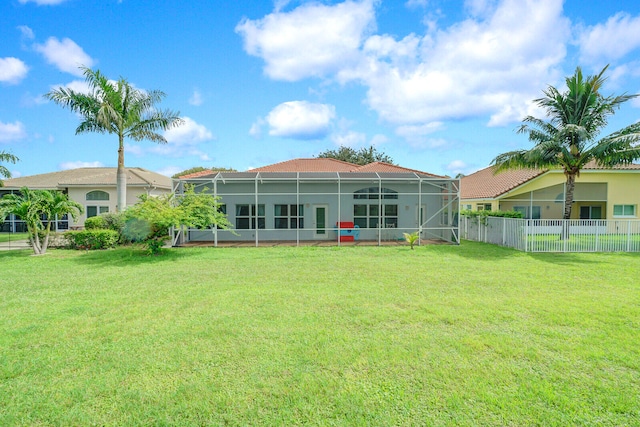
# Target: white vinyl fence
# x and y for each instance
(554, 235)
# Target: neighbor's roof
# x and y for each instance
(321, 165)
(90, 177)
(485, 184)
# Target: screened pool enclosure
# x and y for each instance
(307, 207)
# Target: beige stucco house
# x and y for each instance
(600, 193)
(93, 188)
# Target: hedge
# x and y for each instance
(92, 239)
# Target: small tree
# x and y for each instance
(411, 238)
(363, 156)
(150, 220)
(32, 206)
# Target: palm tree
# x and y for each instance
(32, 206)
(117, 108)
(6, 157)
(568, 138)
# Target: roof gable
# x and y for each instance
(322, 165)
(104, 177)
(486, 184)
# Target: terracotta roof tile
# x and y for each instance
(484, 184)
(333, 165)
(389, 168)
(308, 165)
(89, 177)
(199, 174)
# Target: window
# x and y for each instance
(246, 217)
(624, 211)
(288, 216)
(373, 193)
(97, 195)
(528, 212)
(96, 210)
(590, 212)
(484, 206)
(369, 216)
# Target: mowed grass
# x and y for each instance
(12, 237)
(442, 335)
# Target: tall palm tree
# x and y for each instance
(569, 137)
(117, 108)
(6, 157)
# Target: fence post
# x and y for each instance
(628, 235)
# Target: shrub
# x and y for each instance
(115, 221)
(92, 239)
(95, 223)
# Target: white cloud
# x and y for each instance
(80, 164)
(411, 4)
(189, 133)
(313, 40)
(184, 140)
(42, 2)
(196, 98)
(12, 70)
(170, 170)
(301, 120)
(414, 131)
(79, 86)
(27, 33)
(349, 139)
(256, 128)
(456, 167)
(378, 139)
(476, 67)
(65, 54)
(611, 40)
(12, 131)
(490, 64)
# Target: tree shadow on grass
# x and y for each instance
(489, 251)
(130, 256)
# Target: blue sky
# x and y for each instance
(439, 85)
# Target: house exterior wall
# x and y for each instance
(600, 190)
(79, 194)
(398, 209)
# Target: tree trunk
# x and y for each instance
(568, 204)
(121, 179)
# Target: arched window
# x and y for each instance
(97, 195)
(374, 193)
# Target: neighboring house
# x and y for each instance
(93, 188)
(600, 193)
(308, 199)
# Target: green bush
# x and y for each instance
(95, 223)
(92, 239)
(501, 214)
(115, 221)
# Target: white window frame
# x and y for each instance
(634, 208)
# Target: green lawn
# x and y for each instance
(12, 237)
(442, 335)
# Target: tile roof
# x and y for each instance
(136, 177)
(308, 165)
(320, 165)
(485, 184)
